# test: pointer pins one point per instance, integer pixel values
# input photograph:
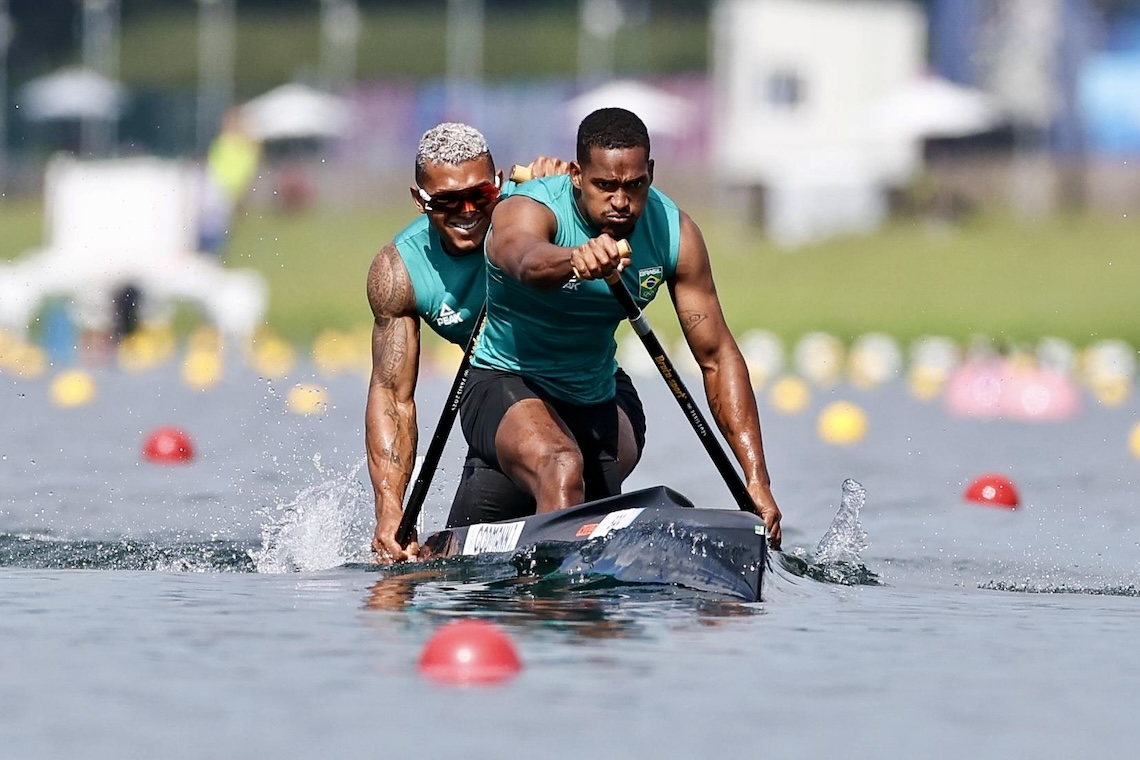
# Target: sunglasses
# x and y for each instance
(451, 201)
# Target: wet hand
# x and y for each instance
(387, 550)
(768, 511)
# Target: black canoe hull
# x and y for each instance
(654, 535)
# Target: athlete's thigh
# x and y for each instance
(486, 399)
(530, 435)
(509, 425)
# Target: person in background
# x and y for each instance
(232, 162)
(433, 272)
(540, 404)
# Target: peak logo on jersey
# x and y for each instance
(648, 280)
(572, 284)
(448, 316)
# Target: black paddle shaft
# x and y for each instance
(439, 438)
(672, 379)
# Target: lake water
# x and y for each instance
(225, 608)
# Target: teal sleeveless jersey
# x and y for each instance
(563, 340)
(450, 290)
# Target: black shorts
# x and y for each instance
(485, 494)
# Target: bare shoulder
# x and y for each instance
(518, 222)
(516, 207)
(390, 292)
(691, 232)
(693, 256)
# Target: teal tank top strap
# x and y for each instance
(449, 290)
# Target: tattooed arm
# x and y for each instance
(726, 381)
(390, 432)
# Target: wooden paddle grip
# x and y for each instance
(520, 173)
(624, 249)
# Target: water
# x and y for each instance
(228, 608)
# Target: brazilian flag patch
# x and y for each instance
(648, 280)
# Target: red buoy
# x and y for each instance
(469, 652)
(168, 445)
(993, 490)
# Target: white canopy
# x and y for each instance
(72, 93)
(296, 111)
(933, 107)
(663, 113)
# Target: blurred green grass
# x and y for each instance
(160, 47)
(1073, 277)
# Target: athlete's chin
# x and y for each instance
(618, 228)
(465, 240)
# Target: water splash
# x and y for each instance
(1035, 587)
(845, 539)
(46, 552)
(837, 555)
(326, 526)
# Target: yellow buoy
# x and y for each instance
(141, 350)
(307, 398)
(72, 388)
(27, 361)
(272, 357)
(925, 382)
(1134, 441)
(1111, 390)
(789, 394)
(842, 423)
(202, 369)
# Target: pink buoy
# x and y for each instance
(992, 388)
(168, 445)
(469, 652)
(993, 490)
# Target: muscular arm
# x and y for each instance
(390, 432)
(519, 244)
(727, 385)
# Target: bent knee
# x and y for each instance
(565, 461)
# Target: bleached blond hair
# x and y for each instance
(450, 143)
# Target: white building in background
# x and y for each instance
(121, 223)
(794, 82)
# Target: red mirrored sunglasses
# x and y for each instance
(452, 201)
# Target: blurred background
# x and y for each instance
(912, 167)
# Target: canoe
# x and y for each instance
(653, 535)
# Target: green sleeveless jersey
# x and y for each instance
(450, 290)
(563, 340)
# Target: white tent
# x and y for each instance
(663, 113)
(114, 223)
(72, 93)
(296, 111)
(930, 107)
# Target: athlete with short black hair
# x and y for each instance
(541, 400)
